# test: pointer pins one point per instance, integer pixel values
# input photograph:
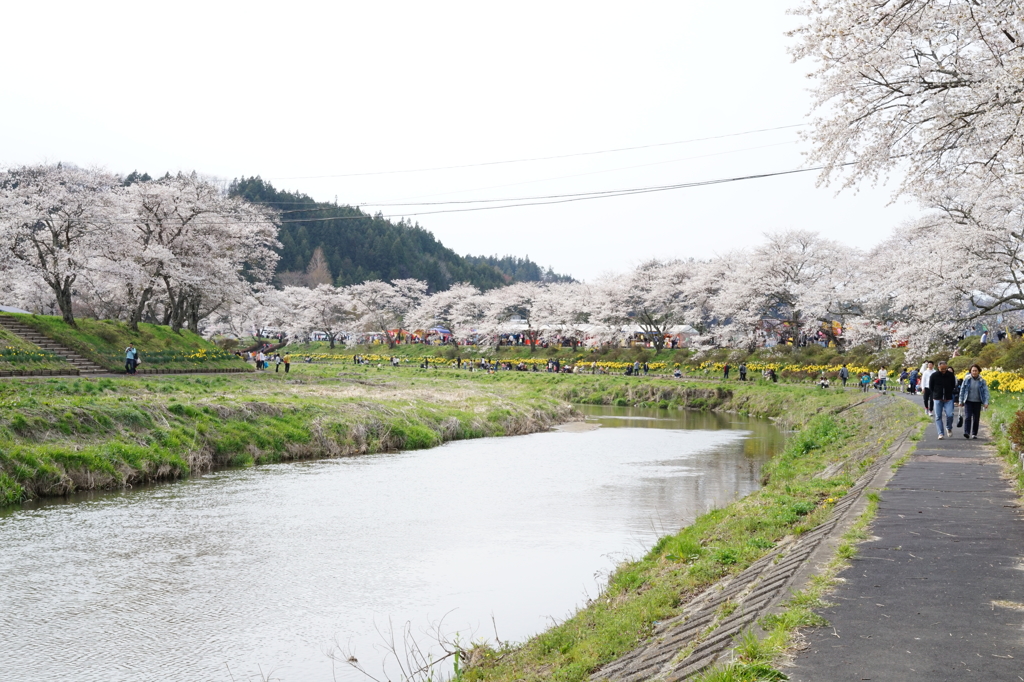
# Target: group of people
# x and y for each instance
(263, 360)
(944, 392)
(726, 368)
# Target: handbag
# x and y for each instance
(960, 419)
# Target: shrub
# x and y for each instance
(990, 353)
(1013, 358)
(1016, 431)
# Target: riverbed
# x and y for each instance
(259, 573)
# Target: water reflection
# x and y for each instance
(267, 566)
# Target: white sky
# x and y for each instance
(292, 90)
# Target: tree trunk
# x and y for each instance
(62, 291)
(136, 315)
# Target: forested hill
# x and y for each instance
(354, 247)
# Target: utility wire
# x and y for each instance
(566, 198)
(538, 158)
(561, 177)
(543, 200)
(329, 207)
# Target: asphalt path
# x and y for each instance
(938, 592)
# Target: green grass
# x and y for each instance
(18, 355)
(61, 435)
(104, 342)
(1001, 415)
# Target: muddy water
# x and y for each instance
(256, 574)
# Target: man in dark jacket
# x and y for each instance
(943, 390)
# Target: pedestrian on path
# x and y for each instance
(927, 369)
(865, 381)
(943, 387)
(883, 378)
(913, 381)
(974, 398)
(844, 374)
(277, 362)
(131, 357)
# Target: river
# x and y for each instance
(257, 573)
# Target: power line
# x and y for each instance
(275, 204)
(539, 158)
(562, 177)
(566, 198)
(542, 200)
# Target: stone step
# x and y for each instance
(81, 365)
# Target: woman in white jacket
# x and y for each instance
(927, 370)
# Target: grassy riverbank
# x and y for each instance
(104, 342)
(62, 435)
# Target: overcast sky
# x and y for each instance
(329, 98)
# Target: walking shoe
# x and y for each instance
(975, 436)
(967, 435)
(941, 436)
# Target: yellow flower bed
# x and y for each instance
(437, 360)
(1010, 382)
(762, 366)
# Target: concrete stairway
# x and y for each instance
(29, 334)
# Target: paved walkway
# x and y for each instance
(938, 593)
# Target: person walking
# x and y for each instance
(725, 371)
(913, 381)
(974, 399)
(844, 374)
(883, 378)
(865, 381)
(743, 371)
(287, 360)
(277, 362)
(927, 370)
(943, 388)
(130, 356)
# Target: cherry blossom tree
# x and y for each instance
(566, 308)
(650, 296)
(326, 309)
(512, 309)
(931, 88)
(383, 306)
(458, 309)
(55, 220)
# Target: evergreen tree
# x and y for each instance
(357, 247)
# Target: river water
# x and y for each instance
(257, 573)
